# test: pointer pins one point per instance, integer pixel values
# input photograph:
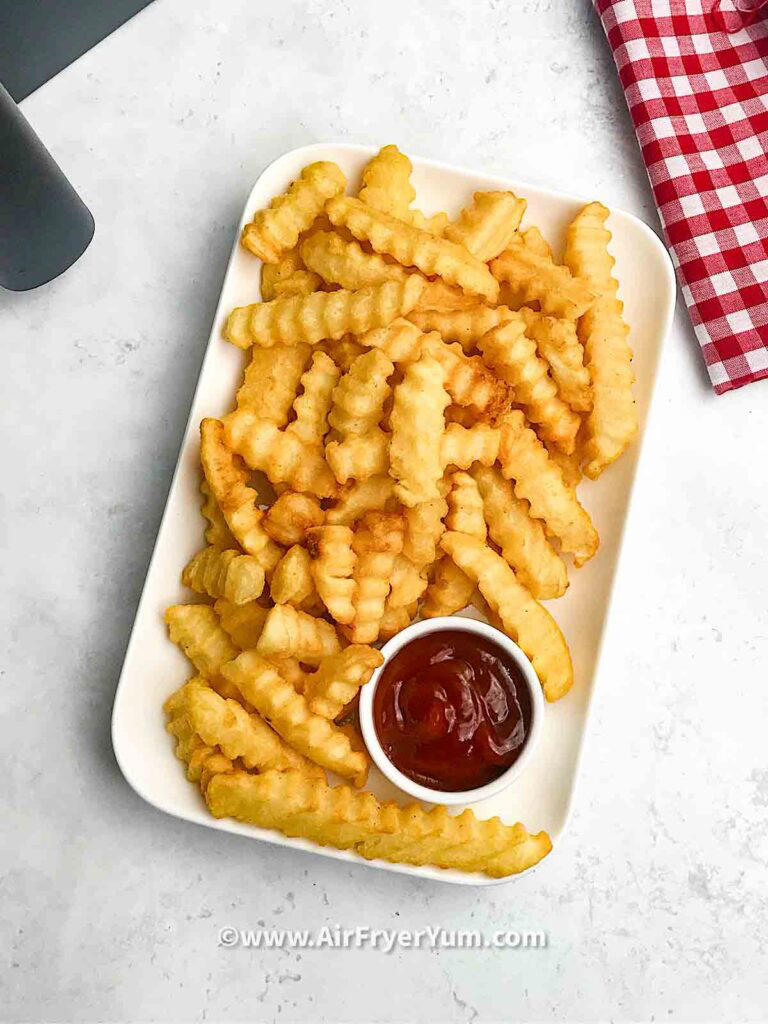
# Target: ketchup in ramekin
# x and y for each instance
(452, 710)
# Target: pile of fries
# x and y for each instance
(421, 400)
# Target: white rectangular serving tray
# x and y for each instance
(153, 666)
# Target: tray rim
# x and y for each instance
(308, 152)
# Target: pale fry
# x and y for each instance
(338, 679)
(333, 563)
(465, 326)
(449, 591)
(273, 274)
(243, 622)
(400, 341)
(203, 761)
(461, 446)
(291, 516)
(418, 424)
(274, 231)
(292, 581)
(346, 263)
(520, 537)
(377, 541)
(283, 456)
(538, 279)
(195, 628)
(376, 493)
(412, 247)
(290, 633)
(439, 295)
(217, 533)
(300, 282)
(489, 224)
(538, 480)
(227, 478)
(313, 404)
(435, 225)
(228, 574)
(394, 620)
(387, 183)
(423, 530)
(288, 713)
(406, 584)
(527, 622)
(358, 398)
(465, 507)
(558, 343)
(272, 380)
(311, 318)
(612, 423)
(513, 356)
(359, 457)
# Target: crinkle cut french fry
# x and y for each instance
(450, 590)
(332, 566)
(439, 295)
(524, 459)
(465, 506)
(387, 182)
(346, 263)
(558, 343)
(377, 541)
(288, 713)
(242, 622)
(337, 816)
(308, 319)
(418, 424)
(468, 380)
(406, 584)
(358, 398)
(343, 351)
(376, 493)
(414, 248)
(359, 457)
(520, 537)
(290, 633)
(217, 533)
(227, 478)
(291, 516)
(527, 622)
(313, 404)
(423, 529)
(395, 620)
(275, 230)
(272, 380)
(465, 326)
(283, 456)
(339, 678)
(569, 465)
(196, 629)
(202, 760)
(489, 224)
(292, 581)
(538, 279)
(238, 578)
(513, 356)
(461, 446)
(274, 273)
(612, 423)
(435, 225)
(399, 341)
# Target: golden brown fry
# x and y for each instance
(272, 380)
(273, 274)
(418, 424)
(274, 231)
(533, 239)
(290, 633)
(377, 541)
(288, 713)
(400, 341)
(359, 457)
(558, 343)
(292, 581)
(537, 278)
(291, 516)
(538, 480)
(195, 628)
(612, 423)
(339, 678)
(468, 380)
(313, 404)
(512, 354)
(203, 761)
(226, 724)
(435, 225)
(387, 183)
(465, 506)
(414, 248)
(337, 816)
(300, 282)
(227, 478)
(243, 622)
(376, 493)
(395, 620)
(465, 326)
(347, 264)
(358, 398)
(217, 533)
(423, 530)
(283, 456)
(343, 351)
(406, 584)
(450, 590)
(461, 446)
(488, 226)
(520, 537)
(312, 318)
(439, 295)
(228, 574)
(527, 622)
(569, 465)
(333, 563)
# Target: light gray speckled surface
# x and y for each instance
(655, 903)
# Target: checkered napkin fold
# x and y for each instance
(698, 96)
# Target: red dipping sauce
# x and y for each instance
(452, 710)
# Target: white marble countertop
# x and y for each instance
(655, 902)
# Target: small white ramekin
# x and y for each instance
(438, 796)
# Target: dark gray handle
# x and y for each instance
(44, 224)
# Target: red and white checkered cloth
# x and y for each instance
(699, 101)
